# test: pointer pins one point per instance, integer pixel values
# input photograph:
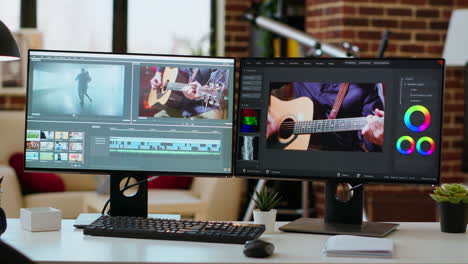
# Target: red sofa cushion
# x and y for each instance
(35, 182)
(170, 182)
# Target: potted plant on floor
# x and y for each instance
(452, 200)
(264, 214)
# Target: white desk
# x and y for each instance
(414, 243)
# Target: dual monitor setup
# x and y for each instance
(339, 120)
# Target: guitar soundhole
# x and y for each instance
(286, 128)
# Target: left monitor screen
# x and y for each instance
(127, 112)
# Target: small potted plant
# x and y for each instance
(265, 201)
(453, 207)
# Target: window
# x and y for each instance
(174, 27)
(75, 25)
(10, 14)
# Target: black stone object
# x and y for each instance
(3, 222)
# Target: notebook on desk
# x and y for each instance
(356, 246)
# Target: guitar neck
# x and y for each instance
(173, 86)
(329, 125)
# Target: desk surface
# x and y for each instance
(414, 243)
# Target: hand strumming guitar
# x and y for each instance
(156, 81)
(272, 125)
(373, 131)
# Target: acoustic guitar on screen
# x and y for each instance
(175, 82)
(296, 125)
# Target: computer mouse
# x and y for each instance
(258, 249)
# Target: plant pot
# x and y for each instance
(265, 218)
(453, 217)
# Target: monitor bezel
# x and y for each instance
(324, 178)
(110, 171)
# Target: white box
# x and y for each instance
(41, 219)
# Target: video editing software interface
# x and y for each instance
(101, 111)
(371, 120)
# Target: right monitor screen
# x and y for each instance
(367, 120)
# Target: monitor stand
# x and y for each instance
(343, 215)
(134, 205)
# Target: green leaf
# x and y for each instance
(450, 193)
(265, 200)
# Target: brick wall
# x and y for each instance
(12, 101)
(419, 28)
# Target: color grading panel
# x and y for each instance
(418, 127)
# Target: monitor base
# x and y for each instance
(122, 205)
(318, 226)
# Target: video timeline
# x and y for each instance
(176, 146)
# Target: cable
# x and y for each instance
(126, 187)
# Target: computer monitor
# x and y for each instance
(341, 120)
(129, 114)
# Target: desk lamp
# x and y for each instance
(8, 51)
(8, 47)
(456, 54)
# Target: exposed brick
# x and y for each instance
(241, 38)
(333, 34)
(331, 22)
(370, 34)
(235, 49)
(349, 10)
(400, 36)
(412, 48)
(454, 108)
(461, 3)
(453, 84)
(399, 12)
(452, 131)
(437, 49)
(439, 25)
(312, 24)
(370, 11)
(236, 28)
(451, 156)
(427, 13)
(384, 23)
(414, 2)
(18, 100)
(236, 6)
(315, 12)
(332, 11)
(427, 37)
(441, 2)
(355, 21)
(348, 33)
(411, 24)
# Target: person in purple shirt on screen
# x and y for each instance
(361, 100)
(193, 105)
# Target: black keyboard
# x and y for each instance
(183, 230)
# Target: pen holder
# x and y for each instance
(3, 222)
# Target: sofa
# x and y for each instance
(206, 199)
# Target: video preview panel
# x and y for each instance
(184, 92)
(300, 117)
(78, 89)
